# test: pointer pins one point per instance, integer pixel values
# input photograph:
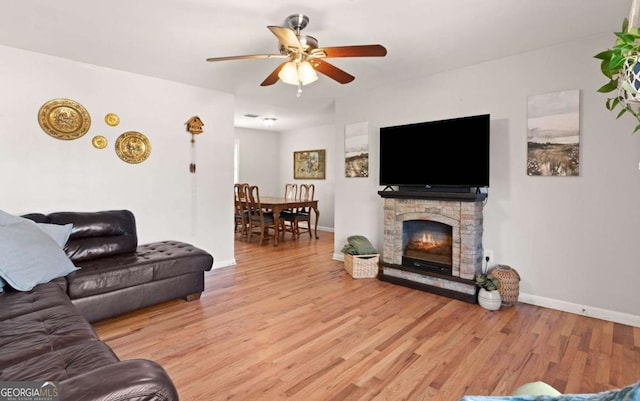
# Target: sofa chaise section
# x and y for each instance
(116, 274)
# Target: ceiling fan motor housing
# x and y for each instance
(297, 22)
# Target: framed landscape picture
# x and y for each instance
(356, 150)
(553, 134)
(309, 164)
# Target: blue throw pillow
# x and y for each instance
(58, 232)
(29, 256)
(6, 218)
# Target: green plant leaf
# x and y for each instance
(630, 110)
(625, 37)
(608, 87)
(627, 48)
(605, 55)
(637, 128)
(616, 62)
(621, 113)
(625, 25)
(488, 282)
(615, 102)
(604, 67)
(612, 102)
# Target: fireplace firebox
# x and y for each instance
(427, 245)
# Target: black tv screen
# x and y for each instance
(443, 153)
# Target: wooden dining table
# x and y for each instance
(278, 204)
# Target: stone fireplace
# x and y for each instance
(433, 241)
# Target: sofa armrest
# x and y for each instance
(130, 380)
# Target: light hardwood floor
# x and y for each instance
(288, 323)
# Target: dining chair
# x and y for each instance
(259, 218)
(241, 214)
(290, 193)
(303, 214)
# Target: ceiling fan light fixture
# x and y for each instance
(289, 73)
(306, 73)
(269, 121)
(298, 73)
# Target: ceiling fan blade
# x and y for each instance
(248, 56)
(273, 77)
(351, 51)
(286, 36)
(332, 71)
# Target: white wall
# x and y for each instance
(574, 240)
(42, 174)
(320, 137)
(260, 159)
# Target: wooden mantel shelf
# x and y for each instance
(435, 195)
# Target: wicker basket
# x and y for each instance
(509, 284)
(361, 266)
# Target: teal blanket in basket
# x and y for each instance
(358, 245)
(628, 393)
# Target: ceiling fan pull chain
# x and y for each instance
(299, 93)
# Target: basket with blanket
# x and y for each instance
(360, 257)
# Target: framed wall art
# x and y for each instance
(309, 164)
(356, 150)
(553, 134)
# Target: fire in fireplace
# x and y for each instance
(427, 245)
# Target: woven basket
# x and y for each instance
(361, 266)
(509, 284)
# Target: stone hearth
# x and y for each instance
(462, 212)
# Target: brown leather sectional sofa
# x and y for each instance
(45, 333)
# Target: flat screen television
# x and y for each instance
(450, 154)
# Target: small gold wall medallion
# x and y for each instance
(99, 142)
(112, 119)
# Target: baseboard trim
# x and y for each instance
(584, 310)
(223, 263)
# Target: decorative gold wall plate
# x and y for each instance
(133, 147)
(64, 119)
(112, 119)
(99, 142)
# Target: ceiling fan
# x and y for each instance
(305, 57)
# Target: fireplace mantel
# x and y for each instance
(435, 195)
